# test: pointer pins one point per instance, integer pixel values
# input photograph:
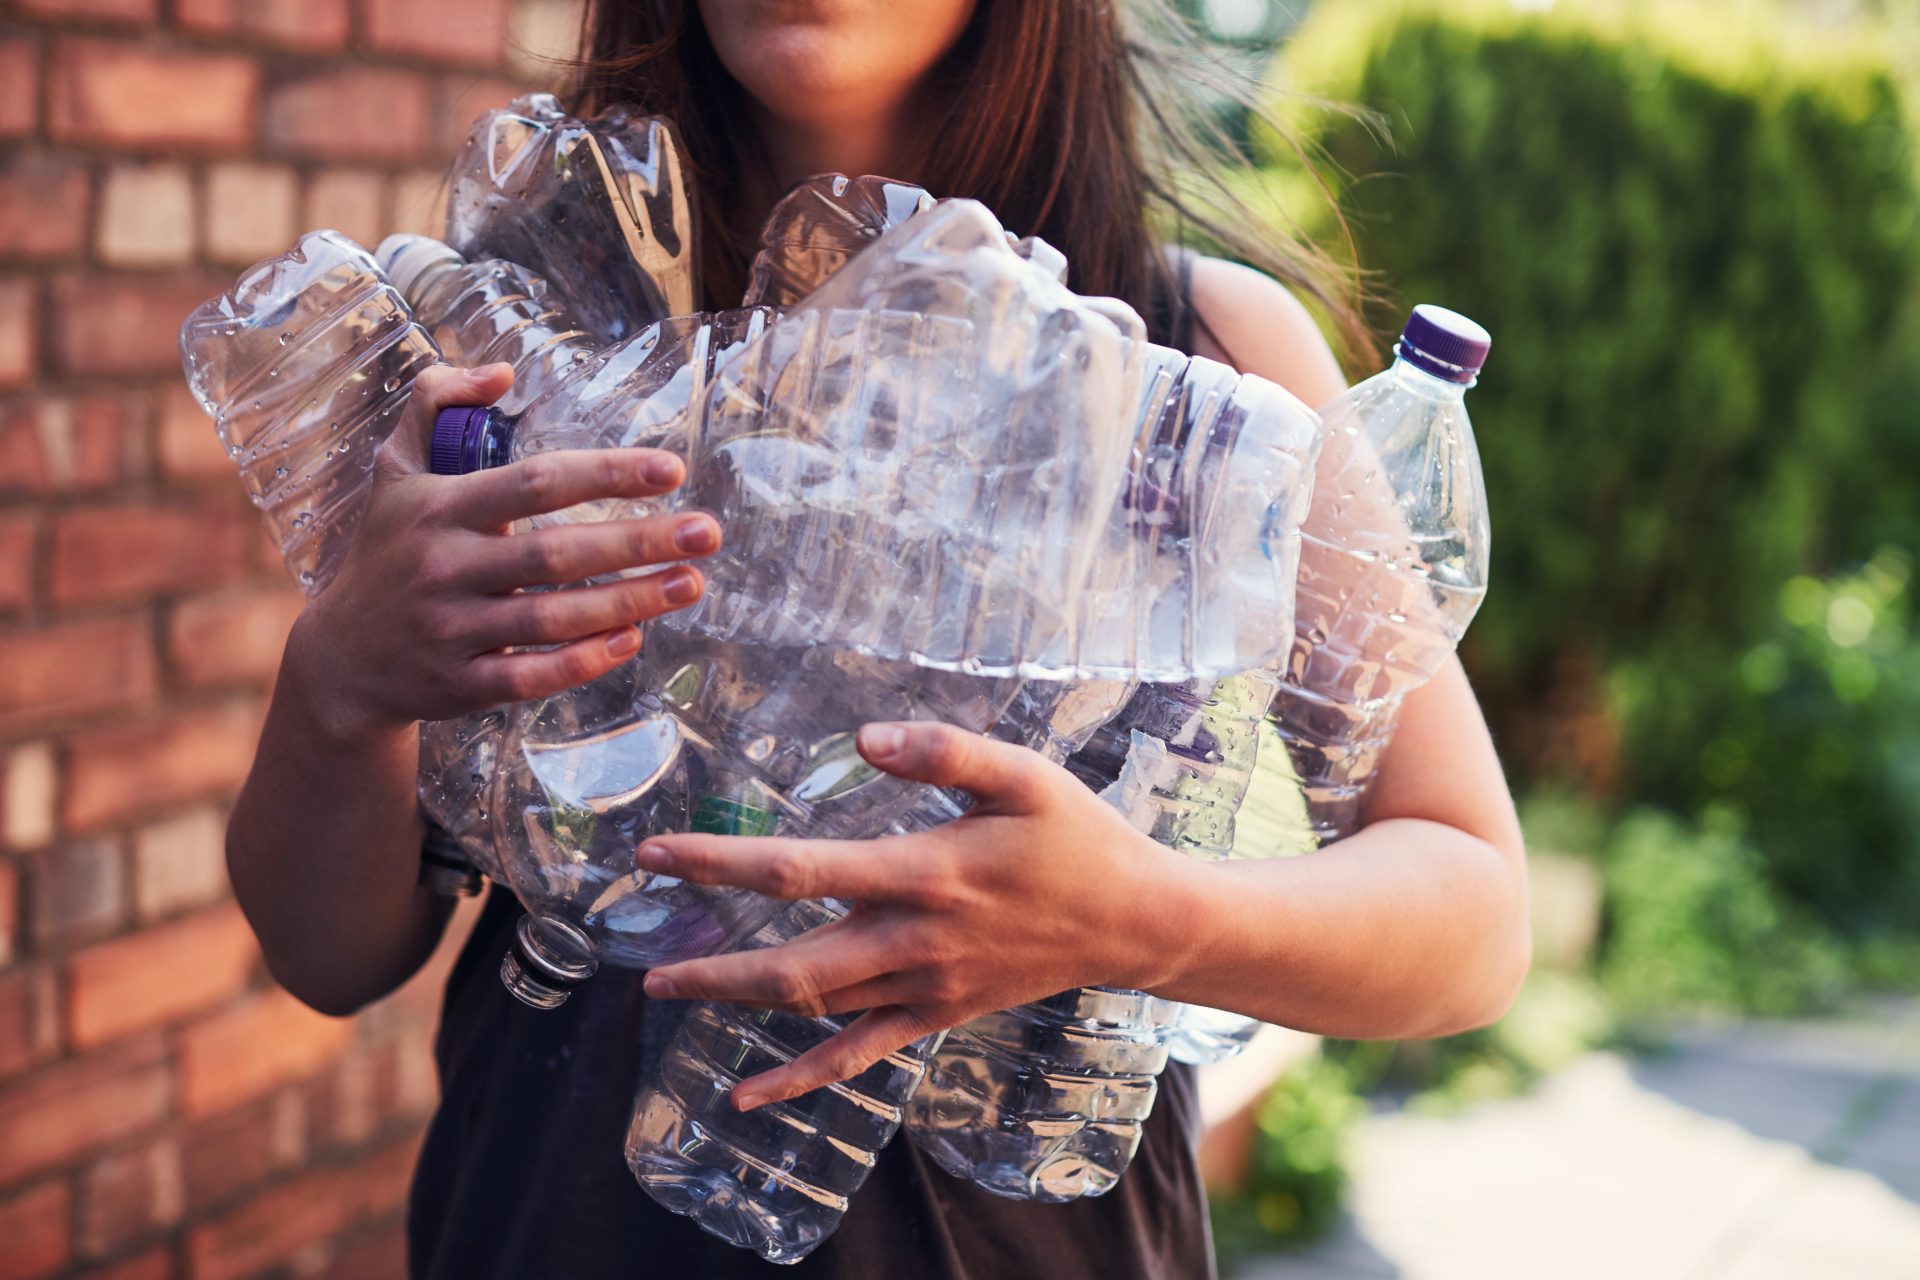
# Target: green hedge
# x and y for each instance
(1698, 253)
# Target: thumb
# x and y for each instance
(440, 386)
(998, 775)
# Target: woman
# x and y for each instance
(1413, 927)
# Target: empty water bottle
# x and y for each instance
(305, 365)
(598, 208)
(1393, 568)
(817, 227)
(777, 1179)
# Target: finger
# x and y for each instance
(797, 977)
(496, 497)
(438, 387)
(784, 868)
(871, 1037)
(572, 552)
(516, 677)
(557, 617)
(997, 774)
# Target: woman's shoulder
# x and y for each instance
(1256, 324)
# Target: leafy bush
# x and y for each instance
(1697, 925)
(1698, 249)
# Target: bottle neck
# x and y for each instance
(1411, 377)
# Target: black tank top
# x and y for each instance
(522, 1175)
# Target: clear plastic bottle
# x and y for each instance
(487, 312)
(817, 227)
(599, 208)
(778, 1180)
(1393, 568)
(304, 366)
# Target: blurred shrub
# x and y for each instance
(1298, 1179)
(1696, 924)
(1698, 248)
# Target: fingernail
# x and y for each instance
(695, 534)
(747, 1101)
(681, 587)
(623, 642)
(882, 741)
(655, 857)
(662, 468)
(658, 986)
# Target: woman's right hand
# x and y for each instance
(418, 621)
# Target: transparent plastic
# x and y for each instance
(485, 313)
(304, 366)
(817, 228)
(701, 735)
(778, 1179)
(599, 208)
(1393, 569)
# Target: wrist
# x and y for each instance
(1164, 928)
(313, 686)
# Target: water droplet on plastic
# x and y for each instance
(393, 383)
(281, 473)
(286, 339)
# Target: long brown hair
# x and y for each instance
(1067, 118)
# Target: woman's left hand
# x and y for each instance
(1041, 887)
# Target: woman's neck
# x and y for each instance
(876, 144)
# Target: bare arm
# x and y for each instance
(425, 620)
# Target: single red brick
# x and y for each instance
(298, 1214)
(74, 666)
(34, 1225)
(137, 95)
(19, 534)
(43, 205)
(9, 926)
(461, 99)
(237, 1150)
(299, 24)
(378, 1254)
(155, 1264)
(129, 1196)
(93, 10)
(543, 36)
(19, 303)
(350, 201)
(131, 550)
(180, 862)
(124, 772)
(29, 1024)
(236, 636)
(189, 447)
(67, 444)
(116, 325)
(354, 113)
(76, 891)
(29, 780)
(65, 1112)
(146, 215)
(254, 1047)
(158, 975)
(470, 31)
(19, 86)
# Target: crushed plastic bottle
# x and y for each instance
(483, 313)
(1393, 568)
(305, 365)
(818, 227)
(777, 1179)
(693, 735)
(599, 208)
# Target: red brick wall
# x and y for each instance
(165, 1111)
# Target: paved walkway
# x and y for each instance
(1774, 1151)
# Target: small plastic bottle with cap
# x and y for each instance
(1393, 567)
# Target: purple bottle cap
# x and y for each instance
(458, 435)
(1444, 343)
